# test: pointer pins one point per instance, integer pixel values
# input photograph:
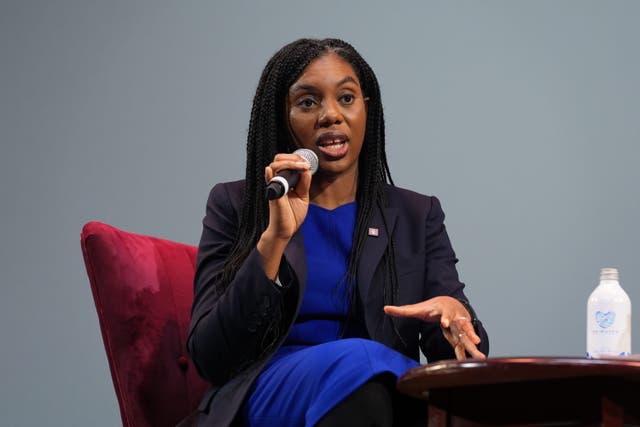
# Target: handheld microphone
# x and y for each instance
(280, 184)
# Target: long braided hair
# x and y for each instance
(269, 135)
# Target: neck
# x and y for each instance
(331, 191)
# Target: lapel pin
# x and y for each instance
(373, 232)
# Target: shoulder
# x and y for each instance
(230, 192)
(405, 199)
(226, 197)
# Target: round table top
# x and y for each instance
(456, 373)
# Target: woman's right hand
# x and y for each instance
(286, 214)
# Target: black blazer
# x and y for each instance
(233, 335)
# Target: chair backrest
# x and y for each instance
(143, 290)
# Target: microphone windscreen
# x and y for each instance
(310, 157)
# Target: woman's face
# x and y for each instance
(327, 113)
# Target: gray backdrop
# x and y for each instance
(521, 116)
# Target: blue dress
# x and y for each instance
(319, 363)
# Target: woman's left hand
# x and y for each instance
(454, 319)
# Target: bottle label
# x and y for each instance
(608, 332)
(604, 320)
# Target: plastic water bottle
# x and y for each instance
(608, 318)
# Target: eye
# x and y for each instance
(306, 102)
(347, 98)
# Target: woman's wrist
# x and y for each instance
(272, 240)
(271, 249)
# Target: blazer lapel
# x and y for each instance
(373, 248)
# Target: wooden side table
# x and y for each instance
(548, 391)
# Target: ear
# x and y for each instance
(366, 104)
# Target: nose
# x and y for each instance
(330, 114)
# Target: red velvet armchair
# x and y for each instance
(143, 289)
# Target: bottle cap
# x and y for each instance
(609, 274)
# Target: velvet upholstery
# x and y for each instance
(143, 290)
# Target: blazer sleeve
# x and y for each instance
(442, 279)
(230, 330)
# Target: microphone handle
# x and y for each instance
(280, 184)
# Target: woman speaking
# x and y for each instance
(308, 306)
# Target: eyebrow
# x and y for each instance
(300, 87)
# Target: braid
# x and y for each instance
(269, 135)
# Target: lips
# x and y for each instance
(334, 145)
